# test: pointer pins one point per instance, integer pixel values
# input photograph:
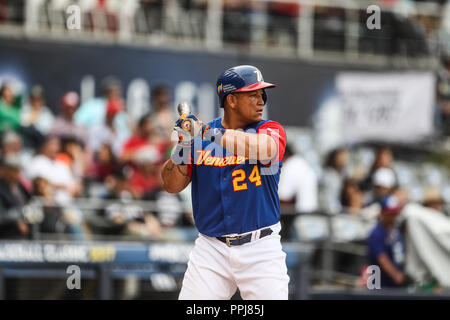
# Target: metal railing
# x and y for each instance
(321, 30)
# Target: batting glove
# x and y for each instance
(190, 127)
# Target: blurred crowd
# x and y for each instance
(85, 150)
(361, 194)
(405, 29)
(345, 186)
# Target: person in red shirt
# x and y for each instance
(146, 177)
(145, 136)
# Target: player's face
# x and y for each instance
(250, 105)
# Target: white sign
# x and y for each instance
(393, 107)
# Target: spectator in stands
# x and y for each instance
(152, 11)
(126, 218)
(383, 159)
(383, 183)
(36, 113)
(146, 177)
(56, 219)
(298, 181)
(11, 144)
(9, 110)
(332, 179)
(13, 198)
(386, 245)
(352, 198)
(64, 126)
(169, 208)
(144, 136)
(163, 116)
(444, 113)
(433, 200)
(329, 28)
(53, 216)
(104, 164)
(282, 22)
(44, 165)
(106, 131)
(443, 92)
(93, 111)
(236, 22)
(71, 156)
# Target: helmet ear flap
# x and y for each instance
(264, 96)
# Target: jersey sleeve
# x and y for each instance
(276, 131)
(189, 170)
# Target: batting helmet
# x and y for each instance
(241, 79)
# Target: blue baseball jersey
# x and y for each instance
(233, 194)
(390, 243)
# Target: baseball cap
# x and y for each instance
(70, 99)
(391, 204)
(384, 177)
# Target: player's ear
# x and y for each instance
(231, 100)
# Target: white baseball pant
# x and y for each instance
(257, 268)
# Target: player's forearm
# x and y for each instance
(175, 177)
(252, 145)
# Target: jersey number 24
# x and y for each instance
(239, 177)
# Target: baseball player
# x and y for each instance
(234, 166)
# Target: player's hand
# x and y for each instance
(196, 128)
(190, 125)
(187, 128)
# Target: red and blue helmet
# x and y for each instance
(241, 79)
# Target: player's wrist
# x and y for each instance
(180, 154)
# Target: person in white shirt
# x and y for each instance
(298, 181)
(44, 165)
(106, 132)
(332, 179)
(36, 113)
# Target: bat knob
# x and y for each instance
(183, 108)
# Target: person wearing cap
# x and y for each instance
(386, 244)
(433, 200)
(383, 182)
(36, 113)
(13, 197)
(64, 126)
(93, 111)
(106, 132)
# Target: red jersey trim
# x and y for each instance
(276, 131)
